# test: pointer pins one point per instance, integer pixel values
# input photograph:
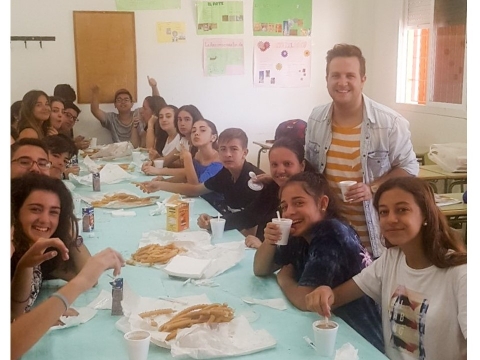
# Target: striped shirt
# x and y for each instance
(343, 163)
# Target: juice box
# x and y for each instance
(177, 215)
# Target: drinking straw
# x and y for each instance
(278, 215)
(218, 216)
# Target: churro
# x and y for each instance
(154, 253)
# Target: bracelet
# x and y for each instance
(61, 297)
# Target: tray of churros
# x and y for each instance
(155, 254)
(122, 200)
(193, 322)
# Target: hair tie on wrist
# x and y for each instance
(61, 297)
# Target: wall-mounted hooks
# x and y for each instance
(32, 38)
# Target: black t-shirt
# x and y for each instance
(260, 212)
(237, 194)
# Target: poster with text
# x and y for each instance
(282, 18)
(282, 63)
(168, 32)
(125, 5)
(223, 57)
(219, 17)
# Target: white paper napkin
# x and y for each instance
(102, 302)
(123, 213)
(187, 267)
(84, 315)
(346, 352)
(277, 303)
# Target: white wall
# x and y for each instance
(228, 101)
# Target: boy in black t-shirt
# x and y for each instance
(231, 181)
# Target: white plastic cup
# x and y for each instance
(190, 202)
(344, 185)
(158, 164)
(285, 225)
(138, 344)
(93, 142)
(218, 226)
(325, 336)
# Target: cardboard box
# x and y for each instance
(177, 215)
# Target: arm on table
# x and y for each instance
(24, 335)
(323, 299)
(295, 293)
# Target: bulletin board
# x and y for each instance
(105, 54)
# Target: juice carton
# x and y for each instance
(177, 215)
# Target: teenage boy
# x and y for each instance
(29, 155)
(231, 181)
(60, 150)
(70, 118)
(120, 125)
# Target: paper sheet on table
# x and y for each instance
(114, 151)
(84, 315)
(222, 256)
(277, 303)
(103, 301)
(227, 339)
(346, 352)
(110, 174)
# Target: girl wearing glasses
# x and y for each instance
(42, 208)
(35, 111)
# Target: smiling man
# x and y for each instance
(356, 138)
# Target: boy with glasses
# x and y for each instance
(29, 155)
(70, 118)
(119, 125)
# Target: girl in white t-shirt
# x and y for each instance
(420, 280)
(162, 136)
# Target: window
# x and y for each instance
(432, 53)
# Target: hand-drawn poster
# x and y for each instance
(282, 63)
(219, 17)
(282, 18)
(128, 5)
(223, 57)
(168, 32)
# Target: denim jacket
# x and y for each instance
(384, 144)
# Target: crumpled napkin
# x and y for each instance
(114, 151)
(346, 352)
(110, 174)
(277, 303)
(160, 209)
(84, 314)
(102, 302)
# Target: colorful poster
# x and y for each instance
(219, 17)
(282, 63)
(223, 57)
(123, 5)
(282, 18)
(168, 32)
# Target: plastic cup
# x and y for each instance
(158, 164)
(190, 202)
(344, 185)
(77, 201)
(217, 226)
(138, 344)
(93, 142)
(325, 335)
(285, 225)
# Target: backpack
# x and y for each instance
(295, 128)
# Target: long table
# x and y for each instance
(99, 339)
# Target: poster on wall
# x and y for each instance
(168, 32)
(282, 18)
(219, 17)
(128, 5)
(223, 57)
(282, 63)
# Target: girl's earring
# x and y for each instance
(425, 223)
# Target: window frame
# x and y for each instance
(430, 107)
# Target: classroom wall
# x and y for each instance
(229, 101)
